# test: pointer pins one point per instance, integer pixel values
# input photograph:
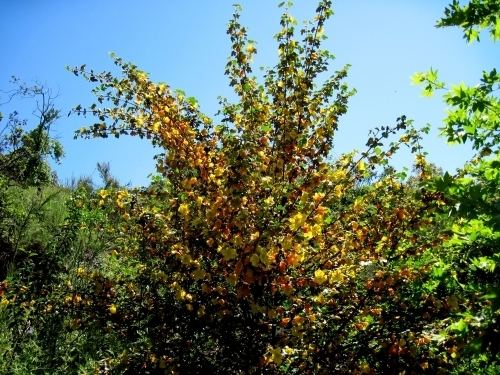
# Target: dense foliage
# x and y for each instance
(252, 250)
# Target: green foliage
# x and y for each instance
(473, 17)
(24, 153)
(253, 250)
(473, 113)
(473, 196)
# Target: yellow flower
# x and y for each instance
(180, 294)
(112, 308)
(296, 221)
(320, 277)
(255, 235)
(339, 174)
(184, 209)
(336, 276)
(219, 171)
(103, 193)
(338, 191)
(199, 200)
(288, 350)
(156, 126)
(269, 200)
(139, 121)
(276, 356)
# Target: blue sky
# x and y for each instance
(184, 43)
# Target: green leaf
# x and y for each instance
(417, 78)
(460, 327)
(496, 30)
(266, 127)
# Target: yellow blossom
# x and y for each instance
(275, 356)
(339, 174)
(112, 308)
(336, 276)
(199, 200)
(288, 350)
(338, 191)
(269, 200)
(320, 277)
(180, 294)
(219, 171)
(255, 235)
(156, 126)
(103, 193)
(316, 230)
(296, 221)
(184, 209)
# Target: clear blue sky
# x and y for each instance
(184, 43)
